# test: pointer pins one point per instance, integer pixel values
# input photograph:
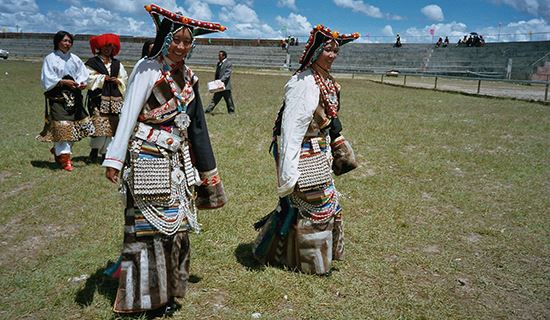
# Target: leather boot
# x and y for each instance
(65, 162)
(93, 157)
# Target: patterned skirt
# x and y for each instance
(291, 238)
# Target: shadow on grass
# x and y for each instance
(100, 283)
(54, 166)
(244, 256)
(44, 164)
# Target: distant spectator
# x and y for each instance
(445, 42)
(469, 41)
(397, 41)
(439, 42)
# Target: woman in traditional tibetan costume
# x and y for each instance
(305, 231)
(63, 77)
(106, 87)
(170, 171)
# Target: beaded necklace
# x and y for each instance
(182, 120)
(329, 94)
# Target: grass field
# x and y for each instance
(447, 217)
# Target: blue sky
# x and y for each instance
(375, 20)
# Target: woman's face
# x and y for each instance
(327, 56)
(65, 44)
(180, 46)
(107, 50)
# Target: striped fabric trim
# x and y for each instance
(143, 228)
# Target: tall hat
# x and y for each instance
(98, 42)
(319, 36)
(172, 22)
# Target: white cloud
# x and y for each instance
(387, 31)
(453, 30)
(78, 20)
(433, 12)
(287, 3)
(360, 6)
(250, 30)
(137, 6)
(239, 14)
(76, 3)
(242, 21)
(534, 29)
(538, 8)
(295, 25)
(13, 6)
(199, 10)
(220, 2)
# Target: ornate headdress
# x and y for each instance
(98, 42)
(319, 37)
(173, 22)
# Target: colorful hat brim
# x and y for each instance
(319, 35)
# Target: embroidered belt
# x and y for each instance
(161, 138)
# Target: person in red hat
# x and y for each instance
(106, 87)
(305, 231)
(169, 169)
(63, 78)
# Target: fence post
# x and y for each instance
(405, 80)
(435, 84)
(546, 92)
(478, 85)
(382, 78)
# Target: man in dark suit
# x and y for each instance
(223, 73)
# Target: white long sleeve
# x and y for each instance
(142, 80)
(301, 100)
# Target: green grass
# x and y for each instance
(446, 217)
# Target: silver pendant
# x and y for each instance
(332, 98)
(182, 121)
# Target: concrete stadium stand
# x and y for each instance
(490, 60)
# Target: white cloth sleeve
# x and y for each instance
(49, 76)
(123, 78)
(95, 80)
(141, 83)
(80, 72)
(301, 100)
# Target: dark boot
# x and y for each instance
(93, 157)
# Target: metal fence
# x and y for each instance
(519, 89)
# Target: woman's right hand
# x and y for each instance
(112, 174)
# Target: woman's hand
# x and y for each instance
(112, 174)
(69, 83)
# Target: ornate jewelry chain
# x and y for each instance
(329, 95)
(316, 214)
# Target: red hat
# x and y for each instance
(98, 42)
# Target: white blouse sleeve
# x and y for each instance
(301, 99)
(142, 80)
(80, 74)
(95, 79)
(49, 76)
(123, 78)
